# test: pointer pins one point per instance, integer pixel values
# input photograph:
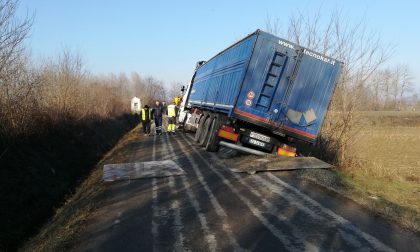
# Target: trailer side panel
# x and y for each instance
(217, 83)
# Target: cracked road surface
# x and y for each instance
(214, 209)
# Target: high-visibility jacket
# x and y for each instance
(172, 110)
(145, 114)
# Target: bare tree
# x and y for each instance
(174, 90)
(136, 83)
(386, 87)
(405, 84)
(273, 25)
(389, 87)
(61, 82)
(12, 33)
(15, 78)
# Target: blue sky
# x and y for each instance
(166, 38)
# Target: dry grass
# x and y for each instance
(381, 168)
(389, 177)
(59, 233)
(391, 152)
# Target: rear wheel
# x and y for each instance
(205, 130)
(199, 131)
(184, 124)
(213, 139)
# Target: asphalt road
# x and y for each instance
(214, 209)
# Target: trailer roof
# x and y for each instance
(258, 31)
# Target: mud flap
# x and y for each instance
(277, 164)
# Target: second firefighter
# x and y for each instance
(172, 112)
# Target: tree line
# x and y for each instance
(35, 97)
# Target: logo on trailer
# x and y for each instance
(285, 44)
(319, 57)
(248, 102)
(250, 95)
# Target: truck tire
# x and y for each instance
(198, 132)
(184, 125)
(205, 130)
(213, 140)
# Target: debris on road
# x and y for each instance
(151, 169)
(272, 163)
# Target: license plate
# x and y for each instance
(259, 136)
(256, 142)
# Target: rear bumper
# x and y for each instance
(242, 148)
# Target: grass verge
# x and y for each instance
(386, 175)
(354, 189)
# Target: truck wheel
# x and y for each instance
(212, 144)
(184, 124)
(205, 131)
(200, 127)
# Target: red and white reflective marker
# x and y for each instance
(250, 95)
(248, 102)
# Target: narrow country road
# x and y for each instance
(214, 209)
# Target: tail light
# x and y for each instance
(228, 133)
(286, 151)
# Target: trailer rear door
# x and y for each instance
(287, 88)
(309, 93)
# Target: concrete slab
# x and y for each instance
(151, 169)
(269, 163)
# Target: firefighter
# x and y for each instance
(157, 116)
(146, 116)
(172, 112)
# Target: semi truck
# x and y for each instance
(260, 95)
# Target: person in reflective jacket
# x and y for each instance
(146, 117)
(157, 116)
(172, 112)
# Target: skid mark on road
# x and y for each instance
(313, 208)
(161, 213)
(273, 210)
(155, 208)
(214, 202)
(377, 245)
(178, 226)
(290, 243)
(154, 148)
(210, 237)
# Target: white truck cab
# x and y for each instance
(185, 112)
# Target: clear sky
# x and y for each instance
(166, 38)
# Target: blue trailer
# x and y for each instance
(259, 93)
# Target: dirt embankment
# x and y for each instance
(38, 172)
